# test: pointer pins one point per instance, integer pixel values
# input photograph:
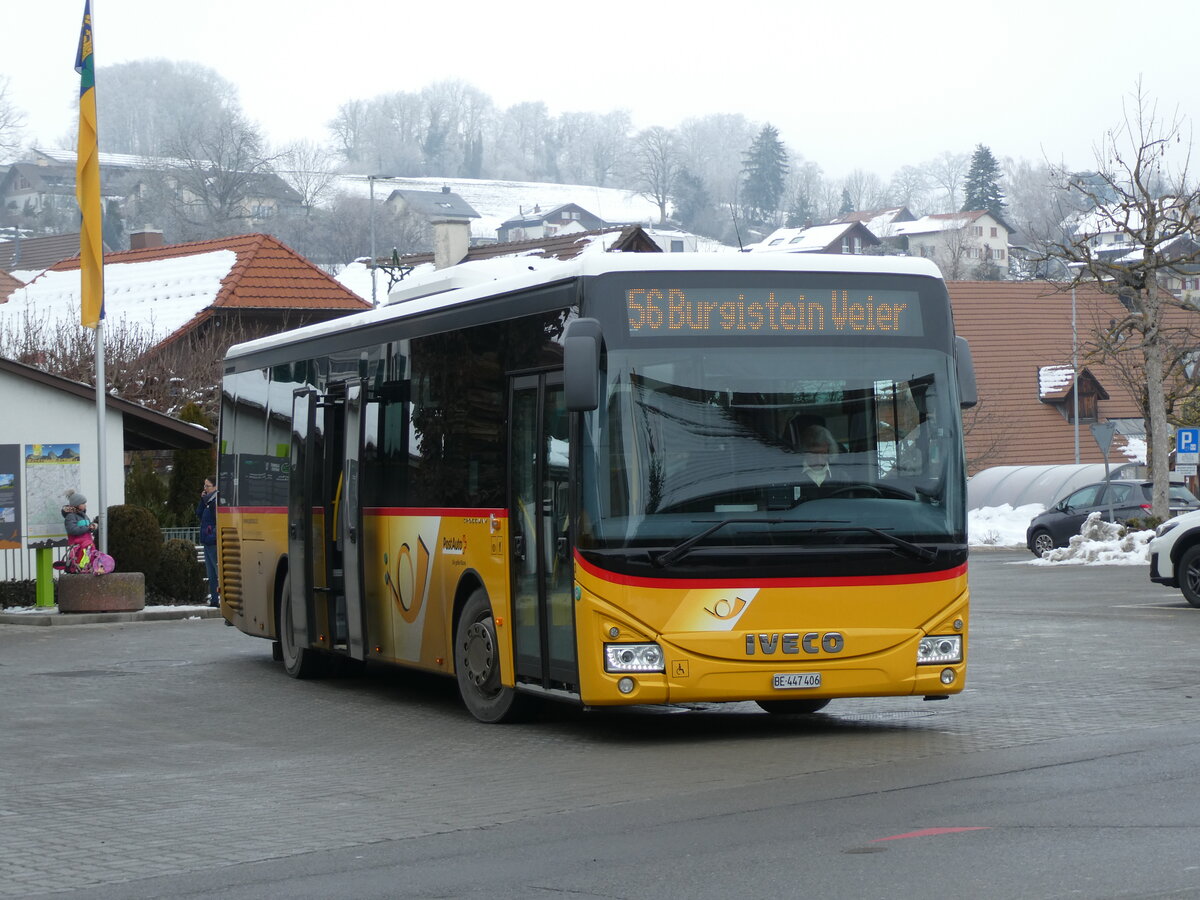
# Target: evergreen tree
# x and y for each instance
(691, 199)
(764, 168)
(983, 183)
(144, 487)
(847, 206)
(113, 227)
(188, 474)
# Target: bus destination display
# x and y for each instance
(706, 311)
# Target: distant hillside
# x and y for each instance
(497, 201)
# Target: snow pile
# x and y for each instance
(1000, 526)
(1102, 543)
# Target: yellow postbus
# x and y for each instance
(619, 479)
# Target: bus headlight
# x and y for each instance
(633, 658)
(938, 649)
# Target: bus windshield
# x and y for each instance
(772, 448)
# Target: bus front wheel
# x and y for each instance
(477, 664)
(299, 662)
(792, 707)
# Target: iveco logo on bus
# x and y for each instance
(794, 642)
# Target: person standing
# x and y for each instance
(206, 512)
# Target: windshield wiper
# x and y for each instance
(680, 549)
(907, 546)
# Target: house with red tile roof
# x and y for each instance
(250, 283)
(8, 284)
(1021, 341)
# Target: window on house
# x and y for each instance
(994, 234)
(977, 230)
(845, 245)
(677, 246)
(998, 254)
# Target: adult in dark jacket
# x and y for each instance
(206, 512)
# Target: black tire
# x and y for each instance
(299, 662)
(477, 665)
(1188, 574)
(792, 707)
(1042, 543)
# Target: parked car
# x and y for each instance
(1129, 500)
(1175, 555)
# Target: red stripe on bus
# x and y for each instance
(434, 511)
(725, 583)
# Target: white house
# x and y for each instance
(49, 442)
(964, 245)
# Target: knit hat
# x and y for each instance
(74, 498)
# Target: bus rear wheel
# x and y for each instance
(792, 707)
(299, 662)
(477, 664)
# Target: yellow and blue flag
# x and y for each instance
(87, 182)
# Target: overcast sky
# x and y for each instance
(866, 84)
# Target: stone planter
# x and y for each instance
(115, 592)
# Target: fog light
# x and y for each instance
(947, 676)
(633, 658)
(626, 685)
(939, 648)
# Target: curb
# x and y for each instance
(151, 614)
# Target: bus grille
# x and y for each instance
(231, 569)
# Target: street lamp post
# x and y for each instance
(371, 179)
(371, 210)
(1075, 373)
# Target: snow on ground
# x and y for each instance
(1099, 543)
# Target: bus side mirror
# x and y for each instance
(583, 349)
(967, 394)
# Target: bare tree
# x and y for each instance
(948, 172)
(349, 129)
(215, 168)
(1144, 163)
(866, 190)
(910, 187)
(12, 120)
(308, 168)
(657, 167)
(145, 105)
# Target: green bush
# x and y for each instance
(134, 540)
(17, 593)
(180, 576)
(1146, 523)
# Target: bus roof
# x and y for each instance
(472, 281)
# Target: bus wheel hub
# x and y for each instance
(478, 653)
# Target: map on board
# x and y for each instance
(51, 470)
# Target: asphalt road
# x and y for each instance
(174, 759)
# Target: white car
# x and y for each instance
(1175, 555)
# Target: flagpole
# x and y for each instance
(101, 438)
(91, 247)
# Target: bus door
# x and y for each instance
(301, 495)
(541, 563)
(324, 519)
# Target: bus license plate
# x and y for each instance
(797, 680)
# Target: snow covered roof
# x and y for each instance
(161, 291)
(495, 200)
(117, 160)
(1053, 381)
